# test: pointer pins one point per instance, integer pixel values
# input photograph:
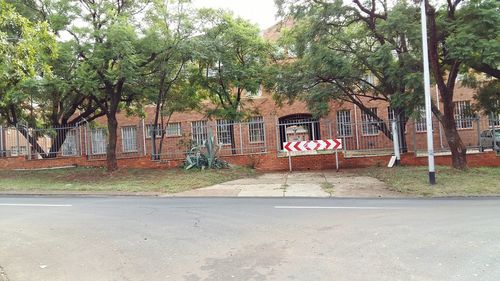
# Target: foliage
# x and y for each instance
(475, 36)
(205, 156)
(488, 97)
(230, 55)
(337, 54)
(26, 47)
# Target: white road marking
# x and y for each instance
(36, 205)
(336, 207)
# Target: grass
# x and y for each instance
(450, 182)
(327, 187)
(124, 180)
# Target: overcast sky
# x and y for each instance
(260, 12)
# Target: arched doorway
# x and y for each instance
(298, 127)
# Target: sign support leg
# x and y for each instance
(337, 159)
(290, 161)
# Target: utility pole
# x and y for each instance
(427, 87)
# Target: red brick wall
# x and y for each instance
(261, 162)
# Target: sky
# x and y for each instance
(260, 12)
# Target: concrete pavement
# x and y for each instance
(298, 184)
(136, 238)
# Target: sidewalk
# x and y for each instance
(298, 184)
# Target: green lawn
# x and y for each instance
(450, 182)
(125, 180)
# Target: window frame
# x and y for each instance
(223, 131)
(463, 121)
(93, 141)
(367, 123)
(201, 131)
(72, 135)
(344, 121)
(134, 142)
(260, 128)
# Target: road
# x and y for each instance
(144, 238)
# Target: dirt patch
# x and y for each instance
(346, 184)
(3, 275)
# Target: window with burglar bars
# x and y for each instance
(494, 120)
(129, 139)
(369, 126)
(256, 129)
(223, 131)
(149, 131)
(391, 113)
(199, 132)
(463, 114)
(172, 130)
(344, 126)
(69, 145)
(420, 120)
(98, 137)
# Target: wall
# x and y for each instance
(261, 162)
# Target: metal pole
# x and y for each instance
(439, 125)
(337, 160)
(1, 142)
(290, 160)
(427, 87)
(144, 137)
(356, 127)
(395, 141)
(29, 145)
(478, 124)
(241, 139)
(17, 140)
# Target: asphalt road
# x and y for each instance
(137, 238)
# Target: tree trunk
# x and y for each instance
(112, 164)
(57, 142)
(33, 142)
(231, 135)
(457, 147)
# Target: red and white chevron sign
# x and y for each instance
(313, 145)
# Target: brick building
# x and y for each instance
(258, 141)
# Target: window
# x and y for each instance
(369, 126)
(420, 120)
(98, 137)
(494, 120)
(257, 93)
(256, 129)
(129, 139)
(344, 126)
(463, 114)
(69, 145)
(199, 132)
(223, 132)
(149, 131)
(17, 151)
(391, 113)
(173, 129)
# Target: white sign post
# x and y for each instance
(309, 147)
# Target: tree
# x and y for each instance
(351, 53)
(231, 57)
(171, 30)
(53, 98)
(26, 47)
(488, 98)
(391, 52)
(114, 59)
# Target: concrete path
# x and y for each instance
(299, 184)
